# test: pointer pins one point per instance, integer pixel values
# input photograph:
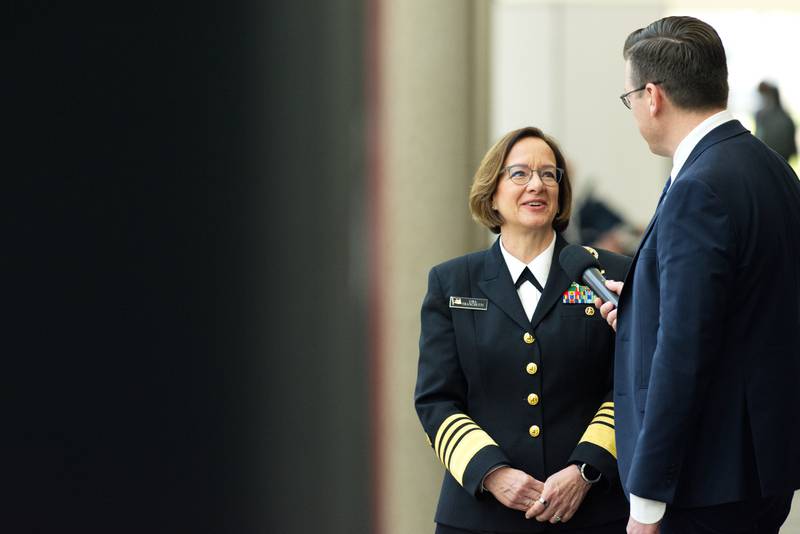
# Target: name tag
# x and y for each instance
(469, 303)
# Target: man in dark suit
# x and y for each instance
(707, 375)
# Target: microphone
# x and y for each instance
(579, 264)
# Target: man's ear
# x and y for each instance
(656, 97)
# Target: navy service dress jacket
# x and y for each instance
(707, 376)
(495, 388)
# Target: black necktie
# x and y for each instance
(664, 192)
(528, 275)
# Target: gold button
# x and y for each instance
(528, 338)
(532, 368)
(533, 399)
(534, 431)
(589, 310)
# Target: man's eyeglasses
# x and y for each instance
(627, 101)
(522, 174)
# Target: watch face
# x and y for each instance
(590, 474)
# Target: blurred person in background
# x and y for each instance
(773, 125)
(595, 223)
(515, 367)
(600, 226)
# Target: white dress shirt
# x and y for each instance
(644, 510)
(539, 266)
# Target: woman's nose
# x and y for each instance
(535, 183)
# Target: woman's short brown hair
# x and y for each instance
(484, 183)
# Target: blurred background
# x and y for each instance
(220, 218)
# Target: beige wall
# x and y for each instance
(434, 131)
(558, 65)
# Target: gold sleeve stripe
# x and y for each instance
(457, 441)
(601, 430)
(600, 418)
(444, 427)
(453, 439)
(602, 436)
(448, 456)
(465, 450)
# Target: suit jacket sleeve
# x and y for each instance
(694, 252)
(463, 447)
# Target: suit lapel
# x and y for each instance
(626, 287)
(557, 283)
(629, 276)
(718, 134)
(649, 229)
(499, 288)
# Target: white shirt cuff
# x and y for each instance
(647, 511)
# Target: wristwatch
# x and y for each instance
(589, 474)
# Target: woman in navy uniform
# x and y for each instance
(515, 367)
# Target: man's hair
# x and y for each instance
(684, 54)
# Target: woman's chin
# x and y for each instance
(538, 224)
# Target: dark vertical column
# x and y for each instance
(308, 231)
(184, 344)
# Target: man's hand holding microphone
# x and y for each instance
(608, 309)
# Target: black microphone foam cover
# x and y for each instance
(575, 259)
